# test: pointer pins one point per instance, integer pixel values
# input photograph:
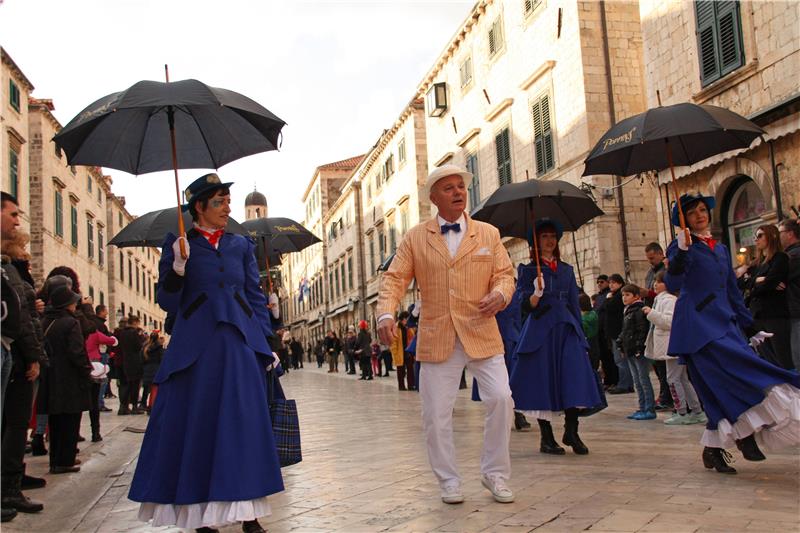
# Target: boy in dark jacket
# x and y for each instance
(632, 342)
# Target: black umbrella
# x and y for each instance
(151, 229)
(285, 234)
(662, 137)
(513, 209)
(278, 235)
(383, 267)
(154, 126)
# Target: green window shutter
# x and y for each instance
(707, 41)
(542, 136)
(59, 214)
(475, 185)
(730, 37)
(503, 149)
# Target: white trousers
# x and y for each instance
(438, 389)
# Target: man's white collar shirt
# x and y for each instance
(453, 238)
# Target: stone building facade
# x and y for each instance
(744, 56)
(523, 91)
(15, 88)
(307, 271)
(71, 211)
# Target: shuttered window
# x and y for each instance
(503, 148)
(73, 218)
(543, 136)
(465, 71)
(59, 213)
(719, 38)
(529, 6)
(475, 185)
(496, 37)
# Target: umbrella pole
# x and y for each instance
(577, 259)
(535, 245)
(675, 187)
(171, 121)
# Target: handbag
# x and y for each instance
(285, 425)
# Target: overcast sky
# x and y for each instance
(337, 72)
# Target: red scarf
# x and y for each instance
(552, 264)
(708, 240)
(213, 238)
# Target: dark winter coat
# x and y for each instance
(155, 352)
(130, 344)
(69, 386)
(634, 330)
(26, 347)
(364, 344)
(793, 280)
(764, 299)
(613, 309)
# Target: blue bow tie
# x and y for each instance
(456, 227)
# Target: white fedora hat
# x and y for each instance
(445, 171)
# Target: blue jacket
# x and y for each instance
(219, 286)
(709, 298)
(558, 305)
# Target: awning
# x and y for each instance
(337, 311)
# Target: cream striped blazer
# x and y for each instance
(450, 288)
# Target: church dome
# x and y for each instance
(255, 198)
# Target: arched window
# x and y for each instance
(743, 208)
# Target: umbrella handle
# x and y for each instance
(171, 121)
(681, 217)
(536, 246)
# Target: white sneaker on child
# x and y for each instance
(676, 420)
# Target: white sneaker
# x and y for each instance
(676, 420)
(696, 418)
(452, 494)
(497, 486)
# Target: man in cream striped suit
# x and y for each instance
(465, 277)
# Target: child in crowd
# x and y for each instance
(660, 318)
(632, 342)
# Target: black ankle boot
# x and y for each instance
(548, 442)
(571, 437)
(13, 497)
(206, 530)
(37, 445)
(252, 526)
(520, 422)
(30, 482)
(8, 514)
(750, 449)
(718, 459)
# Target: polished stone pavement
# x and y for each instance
(365, 469)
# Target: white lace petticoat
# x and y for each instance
(206, 514)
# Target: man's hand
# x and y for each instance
(39, 305)
(759, 337)
(33, 372)
(386, 331)
(491, 304)
(646, 310)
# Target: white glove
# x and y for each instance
(417, 308)
(684, 240)
(538, 290)
(179, 263)
(759, 337)
(275, 362)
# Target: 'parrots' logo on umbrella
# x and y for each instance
(625, 137)
(292, 228)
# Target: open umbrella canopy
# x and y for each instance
(694, 132)
(130, 131)
(152, 228)
(512, 207)
(285, 234)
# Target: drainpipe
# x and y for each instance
(362, 272)
(776, 185)
(613, 119)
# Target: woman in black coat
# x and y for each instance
(766, 302)
(69, 384)
(131, 340)
(152, 352)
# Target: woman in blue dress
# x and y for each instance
(551, 368)
(748, 401)
(208, 457)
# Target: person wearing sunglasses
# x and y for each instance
(767, 302)
(749, 402)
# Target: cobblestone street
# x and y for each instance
(365, 469)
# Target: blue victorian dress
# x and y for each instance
(741, 393)
(551, 370)
(208, 457)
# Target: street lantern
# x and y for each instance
(437, 99)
